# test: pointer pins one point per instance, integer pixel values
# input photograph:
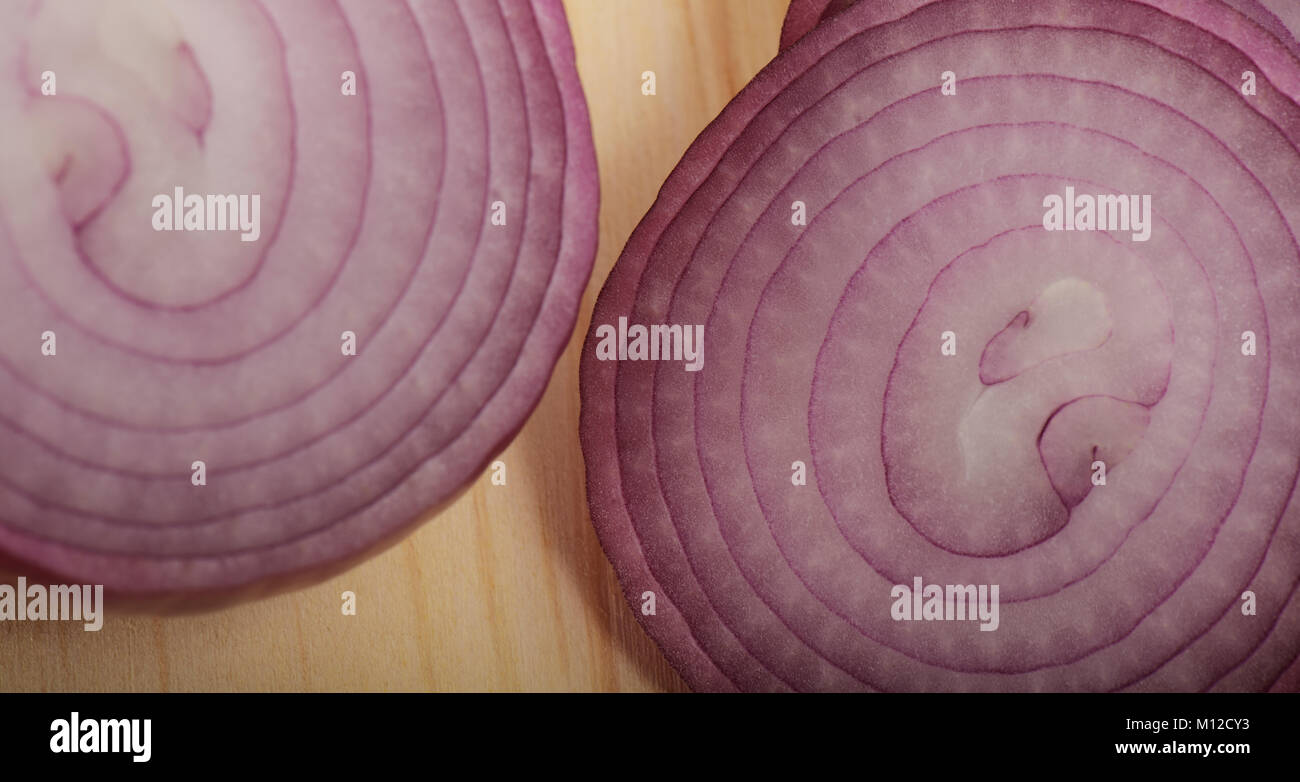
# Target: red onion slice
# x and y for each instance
(824, 343)
(377, 219)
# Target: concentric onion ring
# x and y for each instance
(823, 346)
(377, 219)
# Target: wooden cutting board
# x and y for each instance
(508, 589)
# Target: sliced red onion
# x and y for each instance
(428, 193)
(825, 347)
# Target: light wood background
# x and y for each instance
(508, 589)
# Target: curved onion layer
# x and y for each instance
(1280, 17)
(803, 15)
(376, 219)
(823, 345)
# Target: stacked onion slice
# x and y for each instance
(948, 372)
(428, 192)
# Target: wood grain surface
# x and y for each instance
(508, 589)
